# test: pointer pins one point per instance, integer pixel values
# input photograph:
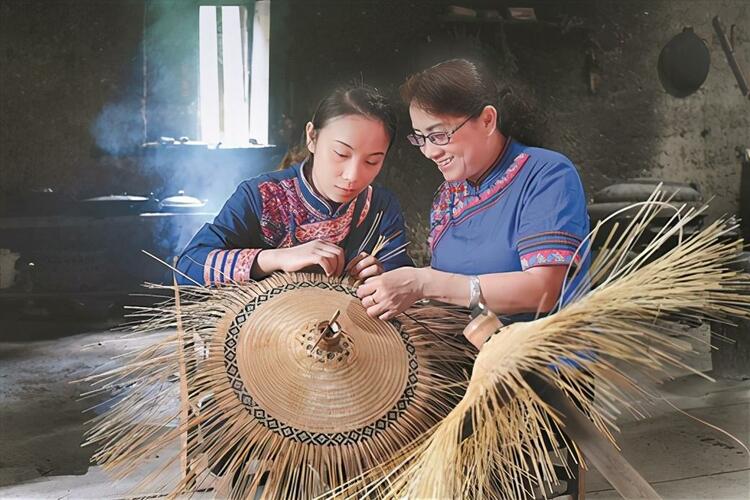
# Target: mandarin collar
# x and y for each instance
(501, 164)
(320, 204)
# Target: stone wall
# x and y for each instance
(69, 66)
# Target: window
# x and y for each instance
(234, 87)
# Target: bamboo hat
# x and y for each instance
(317, 381)
(306, 391)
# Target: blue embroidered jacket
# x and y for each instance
(528, 210)
(280, 209)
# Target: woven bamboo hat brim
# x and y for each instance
(298, 400)
(362, 378)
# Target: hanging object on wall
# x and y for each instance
(684, 63)
(745, 199)
(593, 70)
(728, 47)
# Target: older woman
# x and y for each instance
(507, 221)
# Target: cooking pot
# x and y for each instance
(181, 203)
(117, 204)
(683, 63)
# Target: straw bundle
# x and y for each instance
(506, 455)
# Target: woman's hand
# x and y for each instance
(321, 253)
(391, 293)
(365, 266)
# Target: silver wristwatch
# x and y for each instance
(475, 291)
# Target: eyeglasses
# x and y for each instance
(437, 138)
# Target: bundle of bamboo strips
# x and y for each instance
(613, 318)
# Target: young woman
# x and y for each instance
(506, 222)
(315, 214)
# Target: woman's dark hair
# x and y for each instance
(459, 87)
(357, 99)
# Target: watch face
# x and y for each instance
(478, 310)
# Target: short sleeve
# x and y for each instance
(553, 219)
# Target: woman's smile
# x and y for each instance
(445, 163)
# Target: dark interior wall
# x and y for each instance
(70, 68)
(62, 63)
(629, 127)
(85, 83)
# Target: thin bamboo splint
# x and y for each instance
(620, 319)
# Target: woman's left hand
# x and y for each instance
(391, 293)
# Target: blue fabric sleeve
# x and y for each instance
(553, 219)
(230, 242)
